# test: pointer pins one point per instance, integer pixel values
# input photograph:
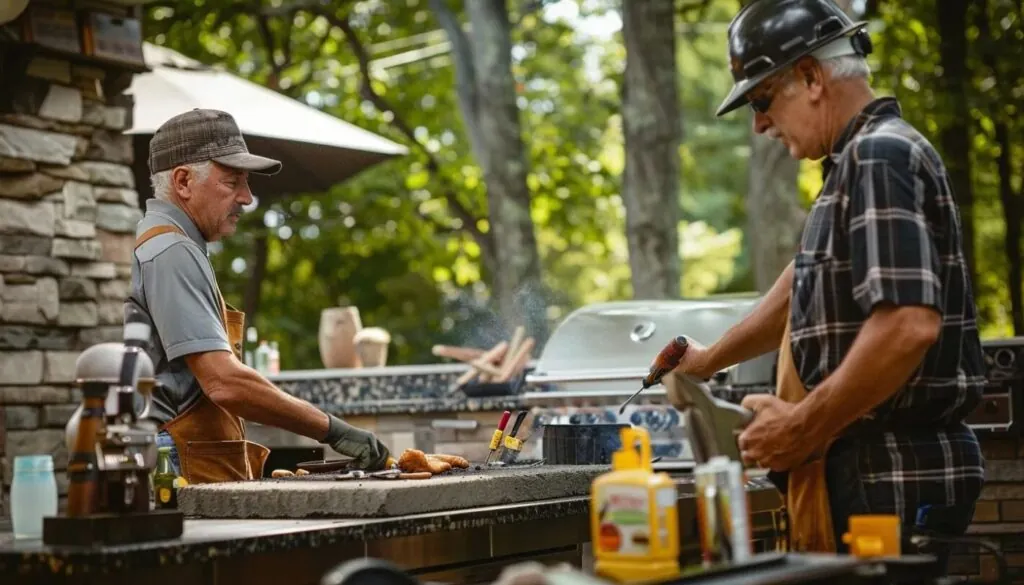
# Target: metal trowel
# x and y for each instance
(712, 424)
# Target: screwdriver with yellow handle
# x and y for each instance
(496, 437)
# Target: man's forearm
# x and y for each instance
(760, 332)
(243, 392)
(886, 352)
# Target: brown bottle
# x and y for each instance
(83, 470)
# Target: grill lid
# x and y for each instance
(617, 341)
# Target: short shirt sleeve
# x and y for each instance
(893, 252)
(182, 300)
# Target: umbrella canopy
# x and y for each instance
(317, 149)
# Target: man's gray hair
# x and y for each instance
(847, 67)
(161, 182)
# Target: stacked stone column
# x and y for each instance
(68, 209)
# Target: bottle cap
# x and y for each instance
(163, 450)
(33, 463)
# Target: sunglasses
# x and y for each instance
(761, 104)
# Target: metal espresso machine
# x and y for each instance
(112, 448)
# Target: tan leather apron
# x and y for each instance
(807, 502)
(211, 441)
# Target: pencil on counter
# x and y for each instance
(496, 437)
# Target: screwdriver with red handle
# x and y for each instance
(496, 437)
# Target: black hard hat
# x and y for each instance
(768, 35)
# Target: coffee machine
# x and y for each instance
(112, 448)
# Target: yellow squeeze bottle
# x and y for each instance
(634, 522)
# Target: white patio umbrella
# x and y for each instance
(318, 150)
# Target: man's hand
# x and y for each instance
(362, 446)
(773, 440)
(694, 361)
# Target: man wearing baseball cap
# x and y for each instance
(199, 166)
(879, 355)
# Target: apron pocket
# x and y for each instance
(217, 461)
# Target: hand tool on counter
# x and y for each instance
(712, 424)
(666, 361)
(496, 437)
(512, 454)
(511, 443)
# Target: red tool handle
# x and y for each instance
(504, 419)
(666, 361)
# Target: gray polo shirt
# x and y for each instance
(174, 287)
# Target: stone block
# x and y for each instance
(1004, 471)
(36, 303)
(15, 165)
(74, 228)
(57, 415)
(97, 270)
(71, 173)
(21, 417)
(17, 217)
(22, 337)
(78, 249)
(62, 103)
(79, 202)
(986, 512)
(116, 248)
(117, 218)
(28, 185)
(111, 312)
(44, 265)
(1002, 491)
(385, 498)
(59, 366)
(115, 289)
(90, 337)
(110, 146)
(78, 314)
(21, 245)
(50, 69)
(110, 174)
(36, 145)
(39, 442)
(34, 394)
(12, 263)
(123, 271)
(21, 368)
(128, 197)
(77, 289)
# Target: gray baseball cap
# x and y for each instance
(203, 135)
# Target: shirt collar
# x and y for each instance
(178, 217)
(881, 107)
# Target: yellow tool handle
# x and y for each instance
(496, 439)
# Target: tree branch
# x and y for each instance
(462, 57)
(468, 219)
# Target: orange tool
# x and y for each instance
(498, 432)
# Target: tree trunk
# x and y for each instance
(254, 285)
(652, 126)
(774, 215)
(955, 137)
(487, 97)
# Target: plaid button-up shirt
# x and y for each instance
(886, 228)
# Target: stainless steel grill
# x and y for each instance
(598, 355)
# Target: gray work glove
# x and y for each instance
(366, 451)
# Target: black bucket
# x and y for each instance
(581, 444)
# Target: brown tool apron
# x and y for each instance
(211, 441)
(807, 500)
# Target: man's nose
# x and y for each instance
(245, 195)
(761, 123)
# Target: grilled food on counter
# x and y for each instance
(416, 461)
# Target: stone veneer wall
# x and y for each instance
(68, 209)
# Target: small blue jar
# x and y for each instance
(33, 494)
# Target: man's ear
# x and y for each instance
(179, 182)
(811, 74)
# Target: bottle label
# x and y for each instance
(623, 520)
(165, 495)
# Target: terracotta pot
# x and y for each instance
(338, 328)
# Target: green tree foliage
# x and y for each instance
(393, 242)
